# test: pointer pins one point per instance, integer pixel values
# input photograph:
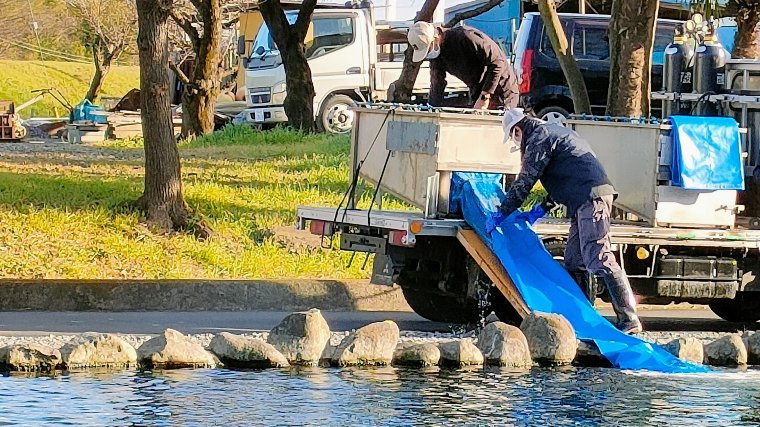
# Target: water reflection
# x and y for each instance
(381, 396)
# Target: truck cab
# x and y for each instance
(352, 59)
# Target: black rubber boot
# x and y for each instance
(584, 282)
(623, 302)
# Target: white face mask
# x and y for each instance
(435, 51)
(513, 142)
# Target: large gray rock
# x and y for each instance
(30, 357)
(752, 343)
(172, 350)
(504, 345)
(588, 355)
(726, 351)
(689, 349)
(301, 337)
(460, 353)
(246, 352)
(92, 350)
(419, 355)
(370, 345)
(551, 339)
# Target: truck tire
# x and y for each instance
(744, 308)
(441, 308)
(335, 115)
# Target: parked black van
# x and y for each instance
(542, 84)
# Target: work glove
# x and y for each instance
(537, 212)
(493, 221)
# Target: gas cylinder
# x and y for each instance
(677, 71)
(709, 71)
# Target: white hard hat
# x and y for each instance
(420, 36)
(510, 119)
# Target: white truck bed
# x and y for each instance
(621, 232)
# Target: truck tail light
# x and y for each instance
(321, 228)
(527, 67)
(399, 238)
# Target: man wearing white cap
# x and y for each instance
(468, 55)
(572, 175)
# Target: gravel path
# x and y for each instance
(48, 149)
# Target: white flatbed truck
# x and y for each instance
(681, 246)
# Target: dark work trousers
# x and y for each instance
(501, 98)
(588, 244)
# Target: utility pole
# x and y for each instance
(582, 7)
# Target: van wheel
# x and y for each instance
(554, 114)
(745, 307)
(336, 116)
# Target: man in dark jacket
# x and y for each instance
(572, 175)
(470, 56)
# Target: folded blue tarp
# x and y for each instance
(547, 287)
(706, 153)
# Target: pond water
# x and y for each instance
(383, 396)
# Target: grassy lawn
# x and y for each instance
(19, 78)
(65, 213)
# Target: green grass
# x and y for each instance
(19, 78)
(69, 216)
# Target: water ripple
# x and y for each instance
(386, 396)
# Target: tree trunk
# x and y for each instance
(401, 89)
(632, 28)
(101, 71)
(102, 66)
(747, 41)
(747, 46)
(299, 101)
(162, 198)
(199, 96)
(558, 39)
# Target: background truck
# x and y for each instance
(677, 246)
(353, 58)
(543, 87)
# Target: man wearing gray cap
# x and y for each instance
(470, 56)
(572, 175)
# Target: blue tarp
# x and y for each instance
(547, 287)
(84, 111)
(706, 153)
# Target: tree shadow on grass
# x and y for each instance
(68, 192)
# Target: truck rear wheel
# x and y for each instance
(503, 309)
(745, 307)
(441, 308)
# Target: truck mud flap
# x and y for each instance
(383, 271)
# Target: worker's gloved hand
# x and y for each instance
(493, 221)
(537, 212)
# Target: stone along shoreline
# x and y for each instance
(304, 339)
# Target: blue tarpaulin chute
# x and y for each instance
(547, 287)
(706, 153)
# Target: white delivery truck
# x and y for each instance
(352, 57)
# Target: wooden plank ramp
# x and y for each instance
(488, 261)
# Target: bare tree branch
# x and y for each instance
(180, 75)
(461, 16)
(304, 18)
(187, 26)
(278, 24)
